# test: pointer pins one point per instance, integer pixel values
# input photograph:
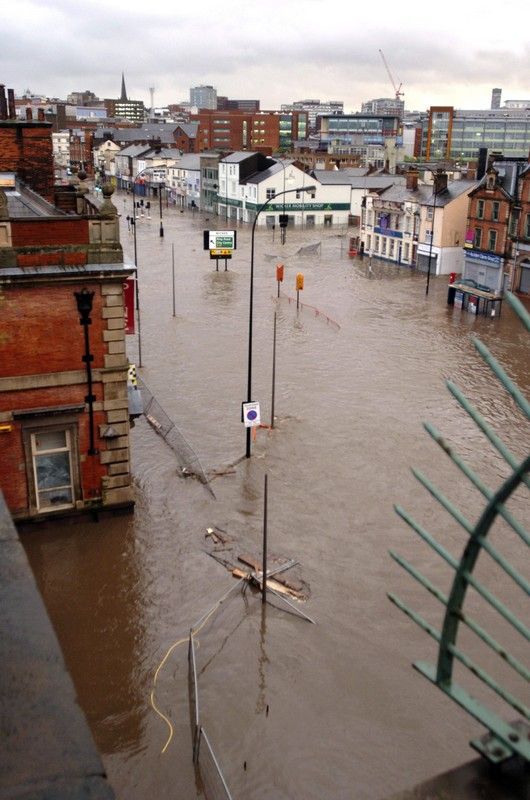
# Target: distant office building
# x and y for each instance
(448, 133)
(373, 129)
(124, 108)
(316, 109)
(517, 104)
(85, 98)
(374, 139)
(203, 97)
(225, 104)
(496, 98)
(264, 131)
(384, 105)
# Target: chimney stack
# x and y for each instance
(412, 179)
(440, 181)
(3, 102)
(11, 104)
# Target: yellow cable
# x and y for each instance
(168, 653)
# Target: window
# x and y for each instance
(368, 243)
(492, 240)
(391, 248)
(270, 194)
(407, 252)
(383, 245)
(527, 227)
(477, 239)
(480, 209)
(52, 469)
(376, 244)
(495, 210)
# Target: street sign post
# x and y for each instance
(220, 244)
(250, 414)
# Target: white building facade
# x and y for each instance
(184, 182)
(241, 196)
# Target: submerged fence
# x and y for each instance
(165, 427)
(315, 311)
(207, 765)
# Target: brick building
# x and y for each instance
(488, 246)
(64, 420)
(520, 231)
(186, 136)
(263, 131)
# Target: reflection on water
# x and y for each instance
(348, 716)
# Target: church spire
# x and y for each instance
(123, 90)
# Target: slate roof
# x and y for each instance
(23, 202)
(342, 177)
(237, 157)
(424, 193)
(274, 169)
(189, 128)
(163, 131)
(188, 161)
(134, 150)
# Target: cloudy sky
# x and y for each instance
(448, 52)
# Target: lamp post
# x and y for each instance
(84, 300)
(133, 223)
(160, 188)
(250, 313)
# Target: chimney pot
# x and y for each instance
(3, 102)
(11, 104)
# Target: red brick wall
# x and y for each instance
(40, 351)
(26, 148)
(487, 223)
(43, 324)
(12, 458)
(45, 232)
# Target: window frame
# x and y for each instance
(32, 426)
(492, 239)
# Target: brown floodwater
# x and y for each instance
(334, 709)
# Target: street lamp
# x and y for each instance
(84, 300)
(134, 223)
(160, 187)
(250, 313)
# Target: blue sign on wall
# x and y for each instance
(474, 255)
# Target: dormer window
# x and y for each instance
(490, 181)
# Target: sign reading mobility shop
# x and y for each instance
(277, 205)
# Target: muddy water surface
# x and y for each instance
(347, 715)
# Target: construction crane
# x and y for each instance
(397, 90)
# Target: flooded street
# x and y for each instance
(348, 717)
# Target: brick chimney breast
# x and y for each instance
(440, 181)
(412, 179)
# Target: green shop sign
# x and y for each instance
(276, 205)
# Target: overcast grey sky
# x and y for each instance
(449, 52)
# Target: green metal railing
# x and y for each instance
(504, 739)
